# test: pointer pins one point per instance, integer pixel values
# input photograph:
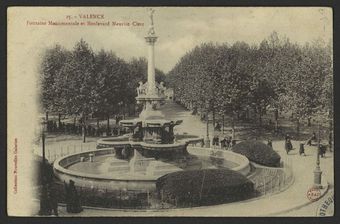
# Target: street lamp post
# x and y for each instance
(317, 170)
(43, 198)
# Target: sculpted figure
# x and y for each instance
(140, 88)
(151, 12)
(161, 88)
(151, 28)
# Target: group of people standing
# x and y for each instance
(225, 142)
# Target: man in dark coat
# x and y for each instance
(215, 140)
(72, 198)
(288, 144)
(224, 143)
(322, 150)
(302, 149)
(53, 199)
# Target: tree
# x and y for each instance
(79, 84)
(111, 75)
(276, 74)
(50, 73)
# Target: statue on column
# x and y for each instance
(151, 28)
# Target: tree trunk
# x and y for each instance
(260, 117)
(223, 123)
(98, 124)
(276, 118)
(330, 134)
(124, 110)
(84, 128)
(74, 121)
(213, 113)
(233, 127)
(46, 116)
(297, 126)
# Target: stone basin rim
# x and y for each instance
(60, 169)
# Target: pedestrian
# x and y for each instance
(312, 139)
(224, 143)
(228, 142)
(217, 127)
(302, 149)
(269, 143)
(202, 142)
(288, 144)
(215, 141)
(75, 200)
(322, 150)
(52, 199)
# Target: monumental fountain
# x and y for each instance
(151, 149)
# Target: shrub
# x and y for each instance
(258, 152)
(185, 188)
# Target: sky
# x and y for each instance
(179, 28)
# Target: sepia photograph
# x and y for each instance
(170, 111)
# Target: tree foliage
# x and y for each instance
(275, 74)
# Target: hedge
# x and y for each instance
(185, 188)
(258, 152)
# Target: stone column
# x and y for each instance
(151, 40)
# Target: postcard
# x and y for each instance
(170, 111)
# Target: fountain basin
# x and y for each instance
(120, 179)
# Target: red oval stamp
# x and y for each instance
(313, 194)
